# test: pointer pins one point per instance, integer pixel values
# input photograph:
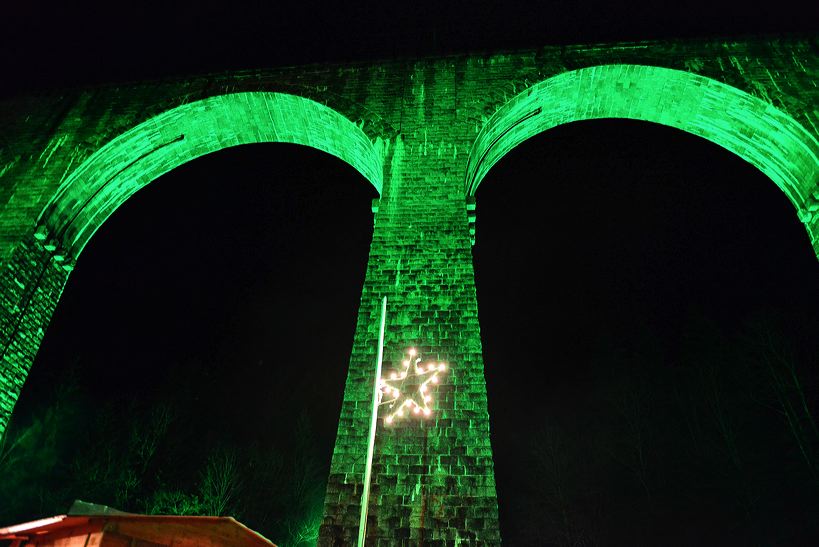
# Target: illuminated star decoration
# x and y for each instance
(407, 392)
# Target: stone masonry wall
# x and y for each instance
(432, 480)
(30, 287)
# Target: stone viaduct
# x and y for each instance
(423, 132)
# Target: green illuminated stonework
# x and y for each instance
(423, 133)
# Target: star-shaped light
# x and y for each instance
(406, 392)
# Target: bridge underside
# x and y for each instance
(424, 133)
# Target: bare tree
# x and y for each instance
(789, 393)
(306, 488)
(173, 502)
(552, 462)
(724, 419)
(631, 403)
(221, 483)
(556, 465)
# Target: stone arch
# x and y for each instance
(94, 190)
(32, 281)
(749, 127)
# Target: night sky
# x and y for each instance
(625, 272)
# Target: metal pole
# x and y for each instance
(365, 495)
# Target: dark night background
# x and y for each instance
(648, 301)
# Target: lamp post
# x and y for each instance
(420, 379)
(365, 494)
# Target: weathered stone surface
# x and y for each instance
(423, 133)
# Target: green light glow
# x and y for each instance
(408, 392)
(435, 127)
(749, 127)
(130, 161)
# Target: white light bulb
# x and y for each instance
(442, 366)
(427, 412)
(393, 376)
